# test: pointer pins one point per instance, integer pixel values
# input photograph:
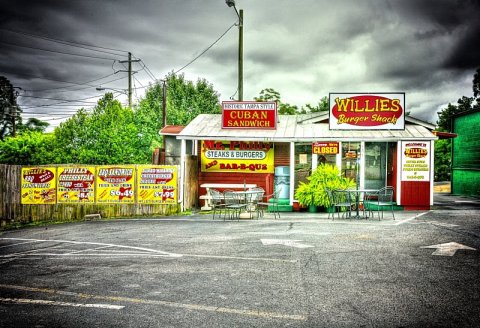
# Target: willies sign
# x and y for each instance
(380, 111)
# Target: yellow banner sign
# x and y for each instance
(157, 184)
(76, 184)
(116, 184)
(237, 156)
(38, 185)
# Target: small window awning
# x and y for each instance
(295, 128)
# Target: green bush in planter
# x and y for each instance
(324, 177)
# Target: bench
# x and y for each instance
(208, 198)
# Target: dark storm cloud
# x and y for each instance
(458, 19)
(303, 49)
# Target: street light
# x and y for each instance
(111, 89)
(231, 3)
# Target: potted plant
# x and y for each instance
(314, 194)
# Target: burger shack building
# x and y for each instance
(367, 136)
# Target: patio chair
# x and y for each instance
(271, 204)
(255, 198)
(342, 202)
(331, 202)
(218, 203)
(381, 199)
(234, 204)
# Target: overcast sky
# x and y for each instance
(304, 49)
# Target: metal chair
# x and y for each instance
(255, 198)
(342, 200)
(271, 203)
(218, 203)
(234, 204)
(331, 202)
(382, 198)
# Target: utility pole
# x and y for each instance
(240, 57)
(231, 3)
(130, 74)
(164, 103)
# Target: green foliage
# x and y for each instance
(9, 110)
(107, 136)
(270, 94)
(186, 100)
(33, 124)
(322, 106)
(325, 176)
(28, 148)
(443, 159)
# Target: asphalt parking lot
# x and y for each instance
(420, 270)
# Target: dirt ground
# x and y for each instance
(442, 187)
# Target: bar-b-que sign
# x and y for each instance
(380, 111)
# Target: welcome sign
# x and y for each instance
(379, 111)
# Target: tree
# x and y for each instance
(33, 124)
(9, 110)
(322, 106)
(186, 100)
(270, 94)
(28, 148)
(106, 136)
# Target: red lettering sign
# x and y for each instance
(372, 111)
(325, 148)
(249, 115)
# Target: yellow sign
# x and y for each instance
(76, 184)
(157, 184)
(116, 184)
(38, 185)
(237, 156)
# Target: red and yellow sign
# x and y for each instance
(382, 111)
(249, 115)
(157, 184)
(237, 156)
(38, 185)
(76, 184)
(116, 184)
(325, 148)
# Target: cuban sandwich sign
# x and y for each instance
(373, 111)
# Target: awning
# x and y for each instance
(293, 128)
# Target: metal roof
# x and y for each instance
(290, 128)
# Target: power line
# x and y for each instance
(208, 48)
(70, 43)
(58, 52)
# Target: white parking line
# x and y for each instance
(149, 250)
(187, 306)
(412, 218)
(57, 303)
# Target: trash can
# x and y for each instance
(282, 181)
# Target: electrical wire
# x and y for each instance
(204, 51)
(58, 52)
(70, 43)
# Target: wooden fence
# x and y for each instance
(11, 209)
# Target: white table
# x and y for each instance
(208, 198)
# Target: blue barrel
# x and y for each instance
(282, 181)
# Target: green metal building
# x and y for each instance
(466, 154)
